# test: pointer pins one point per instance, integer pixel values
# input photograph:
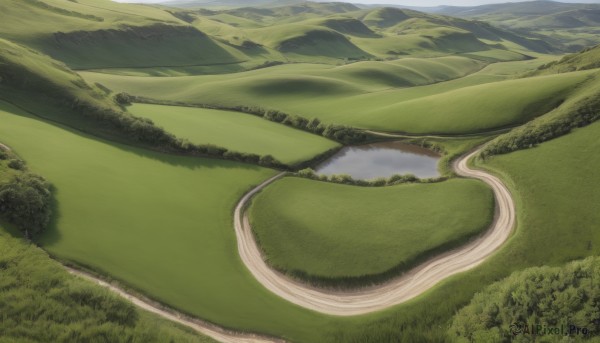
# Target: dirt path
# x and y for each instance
(459, 136)
(395, 291)
(200, 326)
(344, 303)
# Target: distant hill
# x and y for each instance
(584, 60)
(558, 23)
(102, 33)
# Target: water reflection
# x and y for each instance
(382, 160)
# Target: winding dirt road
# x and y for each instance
(343, 303)
(395, 291)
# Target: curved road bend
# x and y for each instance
(395, 291)
(345, 303)
(205, 328)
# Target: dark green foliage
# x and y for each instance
(40, 302)
(25, 202)
(308, 173)
(123, 99)
(16, 164)
(340, 133)
(533, 133)
(552, 297)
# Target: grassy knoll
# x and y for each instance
(101, 33)
(41, 302)
(474, 109)
(334, 232)
(162, 224)
(236, 131)
(467, 105)
(556, 189)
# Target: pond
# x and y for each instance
(376, 160)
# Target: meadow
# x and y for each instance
(42, 302)
(337, 233)
(160, 224)
(456, 107)
(556, 223)
(236, 131)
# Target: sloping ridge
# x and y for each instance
(136, 46)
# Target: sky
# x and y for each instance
(421, 3)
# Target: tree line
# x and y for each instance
(341, 133)
(583, 113)
(345, 179)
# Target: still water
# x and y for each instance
(381, 160)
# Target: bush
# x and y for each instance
(123, 99)
(309, 173)
(16, 164)
(552, 297)
(25, 202)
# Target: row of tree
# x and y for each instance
(143, 130)
(340, 133)
(542, 129)
(344, 179)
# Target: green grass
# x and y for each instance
(236, 131)
(162, 224)
(342, 95)
(587, 59)
(555, 187)
(115, 35)
(474, 109)
(42, 302)
(329, 231)
(547, 179)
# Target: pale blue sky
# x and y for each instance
(423, 3)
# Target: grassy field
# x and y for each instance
(555, 187)
(236, 131)
(162, 224)
(41, 302)
(328, 231)
(467, 105)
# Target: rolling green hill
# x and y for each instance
(448, 108)
(342, 234)
(584, 60)
(570, 26)
(102, 33)
(153, 211)
(171, 214)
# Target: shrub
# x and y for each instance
(123, 99)
(552, 297)
(16, 164)
(25, 202)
